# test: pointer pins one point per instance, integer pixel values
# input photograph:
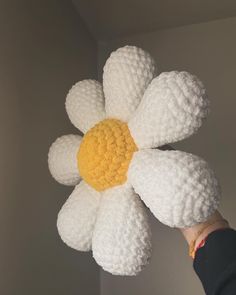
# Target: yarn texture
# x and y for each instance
(117, 165)
(77, 217)
(122, 236)
(179, 188)
(61, 159)
(105, 153)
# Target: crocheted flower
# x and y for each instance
(115, 167)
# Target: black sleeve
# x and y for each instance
(215, 263)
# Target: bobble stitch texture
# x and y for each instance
(122, 236)
(85, 104)
(77, 217)
(127, 73)
(173, 108)
(105, 154)
(179, 188)
(62, 159)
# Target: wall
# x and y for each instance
(44, 49)
(208, 50)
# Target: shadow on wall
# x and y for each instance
(45, 48)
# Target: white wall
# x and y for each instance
(44, 49)
(207, 50)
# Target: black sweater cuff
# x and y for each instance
(215, 263)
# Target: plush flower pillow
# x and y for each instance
(117, 166)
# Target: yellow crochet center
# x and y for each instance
(105, 153)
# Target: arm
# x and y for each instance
(214, 245)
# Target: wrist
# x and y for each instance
(220, 224)
(190, 232)
(196, 234)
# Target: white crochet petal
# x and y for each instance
(179, 188)
(122, 237)
(173, 107)
(85, 104)
(62, 160)
(127, 73)
(77, 217)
